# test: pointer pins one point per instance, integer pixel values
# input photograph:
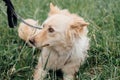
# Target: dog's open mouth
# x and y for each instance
(45, 45)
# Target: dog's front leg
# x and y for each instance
(39, 73)
(70, 70)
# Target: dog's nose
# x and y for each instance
(32, 41)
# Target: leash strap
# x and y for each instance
(11, 15)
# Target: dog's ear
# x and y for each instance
(78, 22)
(78, 25)
(53, 10)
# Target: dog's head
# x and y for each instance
(60, 29)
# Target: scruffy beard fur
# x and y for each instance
(64, 37)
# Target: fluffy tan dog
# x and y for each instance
(64, 39)
(25, 31)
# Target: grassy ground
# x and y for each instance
(17, 60)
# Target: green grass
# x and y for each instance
(17, 60)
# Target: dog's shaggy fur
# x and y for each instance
(64, 39)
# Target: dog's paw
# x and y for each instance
(68, 77)
(39, 74)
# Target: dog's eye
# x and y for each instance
(50, 29)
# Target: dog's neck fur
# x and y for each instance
(78, 48)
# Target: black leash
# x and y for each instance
(13, 17)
